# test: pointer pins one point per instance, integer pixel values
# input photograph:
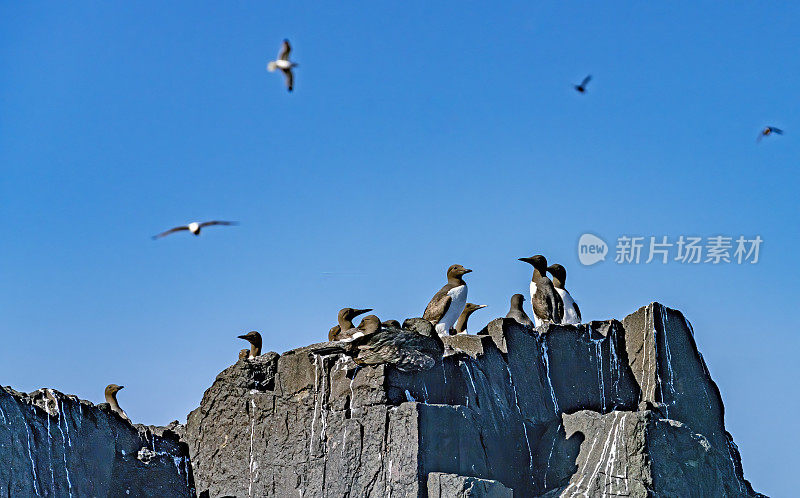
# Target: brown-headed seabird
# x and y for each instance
(284, 64)
(546, 303)
(111, 399)
(447, 304)
(254, 338)
(572, 314)
(345, 328)
(461, 323)
(414, 347)
(517, 312)
(194, 227)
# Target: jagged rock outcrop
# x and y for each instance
(57, 445)
(607, 408)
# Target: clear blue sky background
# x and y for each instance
(418, 135)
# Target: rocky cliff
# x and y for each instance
(607, 408)
(57, 445)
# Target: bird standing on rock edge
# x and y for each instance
(447, 304)
(517, 312)
(254, 338)
(545, 301)
(284, 64)
(111, 399)
(572, 314)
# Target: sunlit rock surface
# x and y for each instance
(57, 445)
(604, 409)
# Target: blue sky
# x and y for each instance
(418, 136)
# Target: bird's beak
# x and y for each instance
(121, 387)
(242, 337)
(361, 312)
(482, 306)
(525, 260)
(467, 270)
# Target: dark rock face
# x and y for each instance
(606, 408)
(57, 445)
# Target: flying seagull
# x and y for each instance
(284, 64)
(769, 130)
(582, 87)
(194, 227)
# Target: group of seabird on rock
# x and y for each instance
(417, 343)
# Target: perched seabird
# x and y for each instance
(414, 347)
(194, 227)
(445, 306)
(111, 399)
(391, 323)
(345, 319)
(572, 314)
(517, 313)
(769, 130)
(254, 338)
(582, 87)
(461, 323)
(546, 303)
(284, 64)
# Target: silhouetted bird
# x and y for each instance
(414, 347)
(582, 87)
(517, 313)
(769, 130)
(284, 64)
(194, 227)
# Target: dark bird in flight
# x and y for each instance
(194, 227)
(582, 87)
(769, 130)
(415, 347)
(284, 64)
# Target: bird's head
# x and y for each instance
(252, 337)
(350, 313)
(559, 274)
(517, 300)
(471, 307)
(113, 389)
(538, 261)
(369, 324)
(457, 271)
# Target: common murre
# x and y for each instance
(447, 304)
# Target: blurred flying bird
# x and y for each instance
(769, 130)
(194, 227)
(582, 87)
(284, 64)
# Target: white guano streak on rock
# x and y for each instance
(30, 456)
(252, 433)
(598, 353)
(609, 445)
(314, 418)
(64, 445)
(668, 355)
(522, 418)
(546, 357)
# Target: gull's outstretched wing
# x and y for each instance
(286, 49)
(171, 230)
